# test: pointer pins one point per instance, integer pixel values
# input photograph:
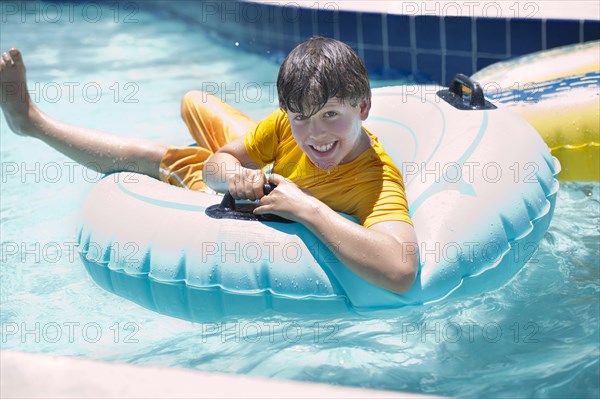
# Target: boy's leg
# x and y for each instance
(89, 147)
(211, 121)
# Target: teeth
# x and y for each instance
(323, 148)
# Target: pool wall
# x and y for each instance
(424, 48)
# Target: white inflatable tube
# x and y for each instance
(481, 186)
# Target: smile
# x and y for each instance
(324, 148)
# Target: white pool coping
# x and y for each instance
(28, 375)
(545, 9)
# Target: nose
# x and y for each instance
(316, 128)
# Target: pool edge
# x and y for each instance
(33, 375)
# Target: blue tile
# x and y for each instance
(591, 30)
(525, 36)
(232, 29)
(291, 14)
(288, 45)
(258, 39)
(483, 62)
(276, 18)
(306, 23)
(252, 13)
(374, 60)
(325, 22)
(561, 32)
(458, 33)
(427, 29)
(401, 61)
(457, 64)
(347, 24)
(256, 19)
(289, 17)
(371, 28)
(491, 36)
(430, 65)
(398, 30)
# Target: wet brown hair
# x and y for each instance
(317, 70)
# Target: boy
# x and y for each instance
(324, 160)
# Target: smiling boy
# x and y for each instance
(324, 160)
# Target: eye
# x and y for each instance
(300, 118)
(330, 114)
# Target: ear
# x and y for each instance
(365, 107)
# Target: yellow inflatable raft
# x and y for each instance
(558, 92)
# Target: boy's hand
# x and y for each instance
(246, 184)
(287, 200)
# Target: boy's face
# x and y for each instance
(333, 135)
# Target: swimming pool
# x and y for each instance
(536, 337)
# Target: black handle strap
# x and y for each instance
(228, 203)
(229, 209)
(469, 90)
(465, 94)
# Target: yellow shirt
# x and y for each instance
(370, 188)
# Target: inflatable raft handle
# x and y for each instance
(465, 94)
(229, 203)
(229, 209)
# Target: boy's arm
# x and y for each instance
(384, 254)
(231, 169)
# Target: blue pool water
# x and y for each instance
(538, 336)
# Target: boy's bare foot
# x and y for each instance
(14, 97)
